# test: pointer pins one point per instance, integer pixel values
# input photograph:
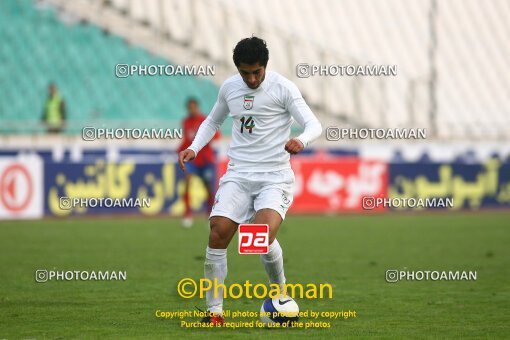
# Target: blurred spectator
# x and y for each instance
(496, 155)
(398, 157)
(468, 157)
(54, 114)
(425, 158)
(203, 166)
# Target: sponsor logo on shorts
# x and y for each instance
(285, 199)
(253, 238)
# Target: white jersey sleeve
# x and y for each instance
(300, 111)
(211, 124)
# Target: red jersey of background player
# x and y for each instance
(190, 127)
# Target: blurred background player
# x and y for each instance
(54, 113)
(203, 165)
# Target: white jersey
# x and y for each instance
(262, 118)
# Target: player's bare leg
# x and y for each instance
(270, 217)
(215, 266)
(210, 195)
(222, 231)
(273, 260)
(187, 221)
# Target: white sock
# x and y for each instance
(273, 263)
(215, 267)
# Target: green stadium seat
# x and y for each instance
(38, 49)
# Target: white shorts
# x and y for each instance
(242, 194)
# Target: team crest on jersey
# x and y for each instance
(248, 102)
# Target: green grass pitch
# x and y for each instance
(350, 252)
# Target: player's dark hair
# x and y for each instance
(191, 100)
(251, 51)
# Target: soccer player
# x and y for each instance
(203, 165)
(258, 184)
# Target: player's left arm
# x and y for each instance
(301, 112)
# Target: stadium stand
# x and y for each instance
(39, 48)
(453, 77)
(451, 55)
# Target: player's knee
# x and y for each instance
(219, 235)
(216, 240)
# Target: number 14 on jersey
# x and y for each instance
(247, 123)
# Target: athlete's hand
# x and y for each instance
(294, 146)
(186, 156)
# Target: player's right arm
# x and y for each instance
(207, 129)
